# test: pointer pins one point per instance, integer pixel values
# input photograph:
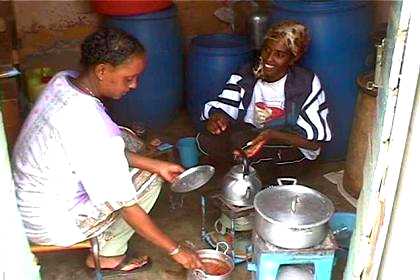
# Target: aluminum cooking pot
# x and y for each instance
(241, 184)
(292, 216)
(215, 260)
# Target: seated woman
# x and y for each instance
(277, 112)
(71, 168)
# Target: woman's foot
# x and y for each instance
(119, 263)
(106, 262)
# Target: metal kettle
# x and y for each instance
(241, 184)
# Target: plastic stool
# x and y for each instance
(269, 264)
(267, 258)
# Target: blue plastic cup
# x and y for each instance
(188, 152)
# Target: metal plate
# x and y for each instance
(192, 178)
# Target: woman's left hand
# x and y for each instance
(258, 142)
(169, 171)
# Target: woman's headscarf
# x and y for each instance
(294, 35)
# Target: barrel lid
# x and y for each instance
(318, 5)
(221, 43)
(162, 14)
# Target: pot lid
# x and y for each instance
(295, 206)
(193, 178)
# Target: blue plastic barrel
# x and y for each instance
(159, 93)
(340, 45)
(211, 61)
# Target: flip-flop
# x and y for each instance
(128, 265)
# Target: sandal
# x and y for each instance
(128, 265)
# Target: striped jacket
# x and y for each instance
(305, 102)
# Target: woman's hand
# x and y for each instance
(258, 142)
(188, 259)
(168, 170)
(217, 123)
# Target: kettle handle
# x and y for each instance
(245, 162)
(286, 179)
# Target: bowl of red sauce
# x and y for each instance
(217, 265)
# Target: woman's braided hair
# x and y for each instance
(293, 34)
(109, 45)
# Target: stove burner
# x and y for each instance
(234, 208)
(237, 238)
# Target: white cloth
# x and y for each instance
(69, 165)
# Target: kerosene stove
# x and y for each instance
(233, 226)
(235, 202)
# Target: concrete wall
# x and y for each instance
(50, 32)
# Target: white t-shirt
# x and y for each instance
(68, 165)
(270, 97)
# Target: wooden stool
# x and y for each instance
(87, 244)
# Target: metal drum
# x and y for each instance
(361, 135)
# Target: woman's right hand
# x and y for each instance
(188, 259)
(217, 123)
(257, 143)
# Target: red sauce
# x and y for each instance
(215, 267)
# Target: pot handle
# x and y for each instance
(199, 274)
(286, 179)
(294, 202)
(222, 243)
(244, 160)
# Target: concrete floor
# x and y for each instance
(182, 224)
